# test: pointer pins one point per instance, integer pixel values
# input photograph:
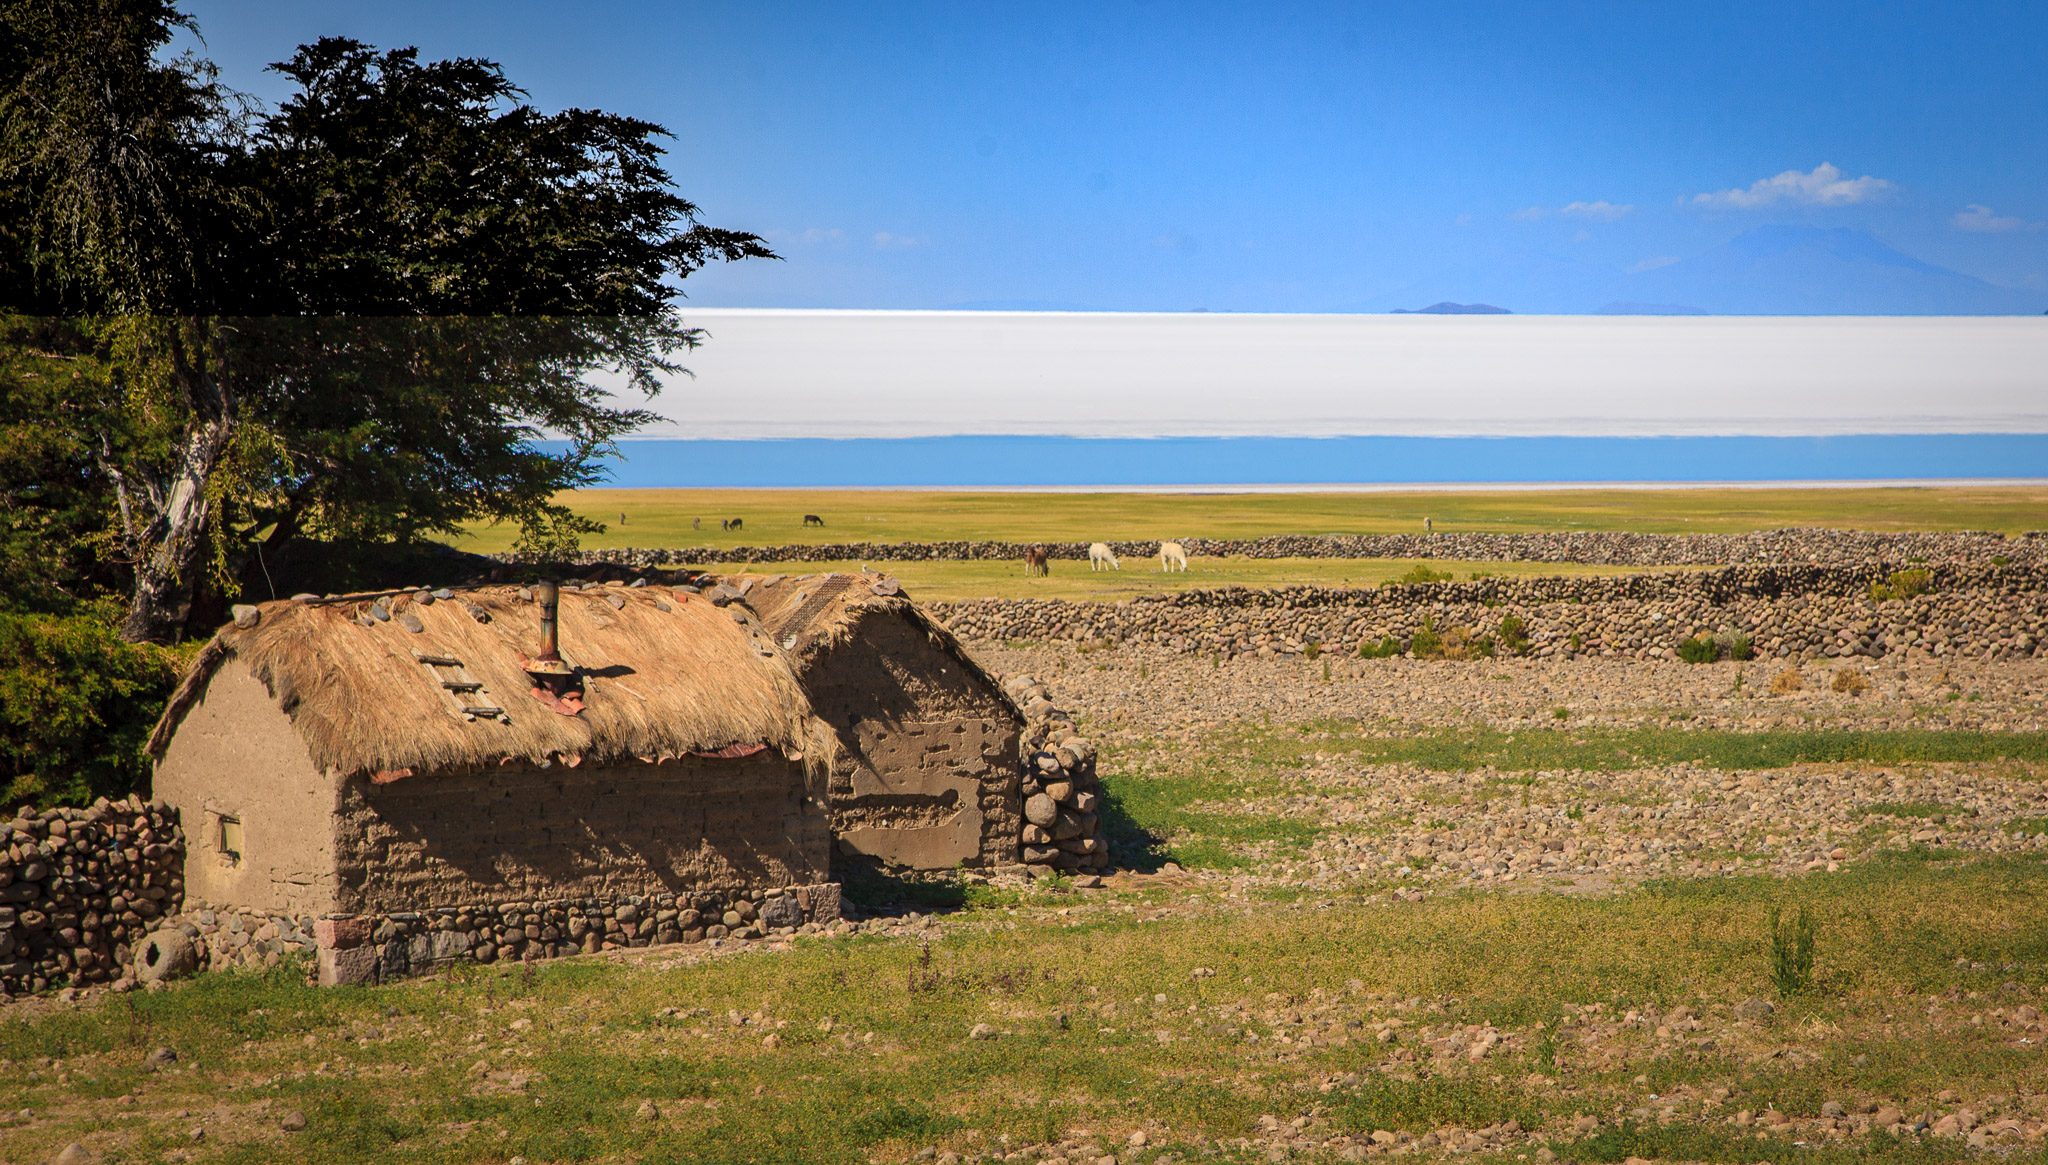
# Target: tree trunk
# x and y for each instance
(164, 579)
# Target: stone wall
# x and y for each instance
(1789, 612)
(1613, 548)
(370, 948)
(80, 888)
(1062, 825)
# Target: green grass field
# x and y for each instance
(774, 517)
(1110, 1016)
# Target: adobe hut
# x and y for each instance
(927, 770)
(383, 756)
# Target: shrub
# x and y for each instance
(1426, 643)
(1311, 650)
(1385, 648)
(1560, 713)
(1578, 642)
(1514, 635)
(1792, 952)
(1700, 649)
(1903, 584)
(2001, 560)
(1422, 574)
(1849, 681)
(1788, 680)
(1735, 645)
(76, 707)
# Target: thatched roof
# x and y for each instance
(811, 615)
(665, 673)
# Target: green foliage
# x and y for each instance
(350, 317)
(1903, 584)
(1513, 636)
(1311, 650)
(1419, 573)
(1426, 643)
(1700, 649)
(1792, 952)
(1386, 648)
(76, 707)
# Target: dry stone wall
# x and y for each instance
(1062, 796)
(1610, 548)
(1786, 612)
(81, 888)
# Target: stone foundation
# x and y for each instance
(372, 948)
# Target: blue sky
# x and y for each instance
(1155, 156)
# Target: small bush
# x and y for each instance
(1700, 649)
(1578, 642)
(1849, 682)
(1903, 584)
(1426, 643)
(1792, 952)
(1384, 649)
(1788, 680)
(1735, 645)
(1422, 574)
(1311, 650)
(1513, 636)
(1560, 713)
(2001, 560)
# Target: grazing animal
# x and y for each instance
(813, 520)
(1172, 556)
(1099, 555)
(1037, 561)
(731, 523)
(696, 523)
(1428, 524)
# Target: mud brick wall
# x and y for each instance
(520, 833)
(926, 775)
(80, 887)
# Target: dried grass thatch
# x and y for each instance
(811, 615)
(657, 682)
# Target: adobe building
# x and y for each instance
(417, 755)
(927, 773)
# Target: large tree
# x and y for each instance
(353, 315)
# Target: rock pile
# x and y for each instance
(1613, 548)
(80, 888)
(1783, 612)
(1062, 797)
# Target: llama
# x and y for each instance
(1428, 526)
(1099, 554)
(813, 520)
(731, 523)
(1037, 561)
(1172, 556)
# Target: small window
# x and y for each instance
(230, 840)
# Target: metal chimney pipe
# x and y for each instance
(550, 597)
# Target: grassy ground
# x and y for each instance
(773, 517)
(1121, 1016)
(1223, 1024)
(949, 581)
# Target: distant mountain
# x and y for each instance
(1448, 308)
(1790, 270)
(1627, 307)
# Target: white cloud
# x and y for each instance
(884, 241)
(1980, 218)
(1602, 211)
(1822, 186)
